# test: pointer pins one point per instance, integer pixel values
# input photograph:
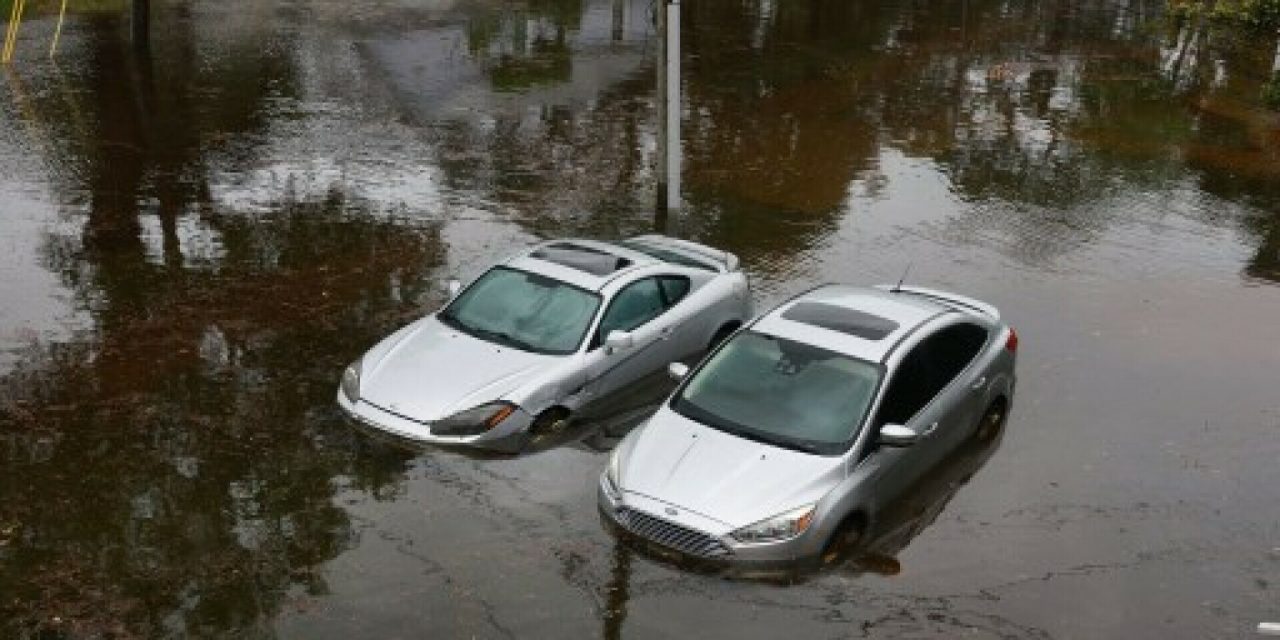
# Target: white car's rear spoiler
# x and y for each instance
(722, 260)
(945, 297)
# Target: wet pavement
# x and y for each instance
(194, 242)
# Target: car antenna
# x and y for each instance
(898, 287)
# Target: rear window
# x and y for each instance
(592, 261)
(834, 318)
(670, 257)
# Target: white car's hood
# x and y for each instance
(430, 371)
(721, 476)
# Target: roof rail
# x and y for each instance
(949, 299)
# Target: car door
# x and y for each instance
(687, 319)
(639, 308)
(953, 352)
(909, 401)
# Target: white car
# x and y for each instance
(539, 336)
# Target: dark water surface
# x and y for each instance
(193, 243)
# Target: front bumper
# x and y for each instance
(508, 436)
(686, 537)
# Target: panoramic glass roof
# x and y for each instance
(842, 319)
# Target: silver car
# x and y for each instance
(786, 442)
(541, 335)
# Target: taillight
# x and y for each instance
(1012, 343)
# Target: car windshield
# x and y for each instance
(781, 392)
(523, 310)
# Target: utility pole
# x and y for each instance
(616, 32)
(1275, 64)
(140, 23)
(668, 105)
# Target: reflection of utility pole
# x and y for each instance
(668, 105)
(1275, 64)
(140, 23)
(617, 592)
(617, 20)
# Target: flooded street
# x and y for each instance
(194, 242)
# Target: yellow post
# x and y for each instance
(53, 47)
(15, 21)
(8, 32)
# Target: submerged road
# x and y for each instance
(193, 244)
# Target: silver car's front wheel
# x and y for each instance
(844, 540)
(992, 421)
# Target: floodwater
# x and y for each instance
(194, 241)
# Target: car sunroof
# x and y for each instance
(830, 316)
(592, 261)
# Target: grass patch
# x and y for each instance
(1271, 92)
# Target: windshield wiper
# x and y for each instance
(499, 337)
(807, 446)
(449, 319)
(502, 337)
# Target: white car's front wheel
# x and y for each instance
(548, 425)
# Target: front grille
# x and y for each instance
(670, 534)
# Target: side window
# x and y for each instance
(674, 288)
(908, 392)
(928, 369)
(954, 348)
(635, 305)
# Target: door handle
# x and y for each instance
(664, 333)
(979, 383)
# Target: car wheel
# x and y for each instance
(991, 423)
(845, 539)
(548, 425)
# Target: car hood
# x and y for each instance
(721, 476)
(429, 371)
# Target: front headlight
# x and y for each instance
(475, 421)
(611, 472)
(351, 381)
(780, 527)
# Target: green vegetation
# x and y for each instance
(1271, 92)
(1262, 15)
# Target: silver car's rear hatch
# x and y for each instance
(678, 250)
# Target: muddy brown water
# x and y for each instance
(193, 243)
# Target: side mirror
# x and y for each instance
(677, 371)
(453, 287)
(617, 340)
(896, 435)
